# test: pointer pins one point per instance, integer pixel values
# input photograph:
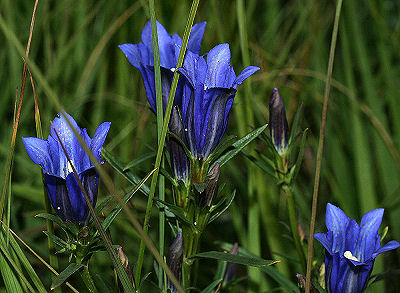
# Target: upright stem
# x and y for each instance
(191, 237)
(87, 279)
(321, 145)
(293, 225)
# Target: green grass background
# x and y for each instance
(75, 47)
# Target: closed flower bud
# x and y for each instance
(174, 260)
(278, 123)
(179, 160)
(211, 188)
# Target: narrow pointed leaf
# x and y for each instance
(65, 274)
(240, 144)
(139, 160)
(239, 259)
(295, 122)
(211, 288)
(228, 202)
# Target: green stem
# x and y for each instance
(87, 279)
(191, 238)
(171, 98)
(161, 190)
(293, 226)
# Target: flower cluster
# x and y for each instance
(351, 249)
(62, 187)
(204, 96)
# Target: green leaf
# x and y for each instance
(240, 144)
(110, 218)
(222, 146)
(228, 201)
(177, 211)
(57, 240)
(65, 274)
(266, 167)
(239, 259)
(295, 123)
(119, 167)
(139, 160)
(54, 219)
(271, 271)
(210, 288)
(296, 167)
(11, 282)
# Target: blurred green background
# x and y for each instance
(75, 47)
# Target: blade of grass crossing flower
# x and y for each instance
(126, 283)
(321, 145)
(49, 224)
(161, 143)
(10, 35)
(159, 104)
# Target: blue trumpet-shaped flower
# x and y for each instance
(141, 56)
(205, 112)
(62, 187)
(351, 249)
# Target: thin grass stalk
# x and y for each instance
(49, 224)
(168, 110)
(103, 175)
(321, 145)
(126, 283)
(17, 117)
(159, 105)
(36, 255)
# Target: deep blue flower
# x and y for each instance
(141, 56)
(351, 249)
(205, 112)
(278, 123)
(62, 188)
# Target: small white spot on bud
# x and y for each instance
(195, 223)
(350, 256)
(205, 87)
(173, 69)
(186, 129)
(58, 208)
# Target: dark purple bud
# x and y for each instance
(278, 123)
(231, 268)
(302, 283)
(211, 188)
(179, 160)
(174, 260)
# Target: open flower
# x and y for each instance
(141, 56)
(205, 112)
(62, 188)
(351, 249)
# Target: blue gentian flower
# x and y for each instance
(141, 56)
(278, 124)
(351, 249)
(205, 112)
(62, 188)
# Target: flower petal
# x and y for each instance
(38, 151)
(247, 72)
(79, 207)
(218, 60)
(196, 34)
(369, 227)
(336, 221)
(388, 246)
(58, 194)
(325, 239)
(98, 139)
(137, 54)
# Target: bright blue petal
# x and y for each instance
(388, 246)
(135, 53)
(90, 182)
(165, 43)
(369, 227)
(196, 34)
(336, 221)
(218, 61)
(325, 239)
(98, 139)
(38, 151)
(247, 72)
(350, 240)
(58, 194)
(76, 197)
